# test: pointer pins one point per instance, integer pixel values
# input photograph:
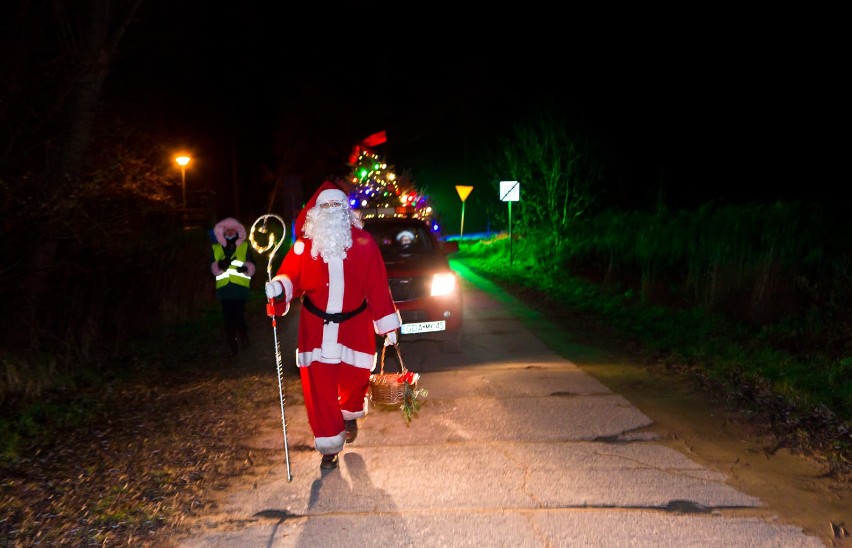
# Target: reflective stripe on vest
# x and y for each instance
(231, 275)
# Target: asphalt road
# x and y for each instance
(515, 446)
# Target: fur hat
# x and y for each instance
(229, 223)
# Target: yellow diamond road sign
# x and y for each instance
(463, 191)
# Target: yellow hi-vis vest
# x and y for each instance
(231, 275)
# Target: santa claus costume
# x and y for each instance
(337, 270)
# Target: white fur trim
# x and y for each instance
(388, 323)
(330, 445)
(331, 350)
(330, 194)
(352, 415)
(286, 284)
(299, 247)
(336, 286)
(347, 355)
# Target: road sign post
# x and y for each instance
(510, 191)
(463, 193)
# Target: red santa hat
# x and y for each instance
(327, 192)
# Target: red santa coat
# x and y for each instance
(340, 286)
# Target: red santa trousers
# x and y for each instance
(333, 392)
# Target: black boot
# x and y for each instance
(329, 462)
(244, 338)
(351, 430)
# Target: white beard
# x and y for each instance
(331, 232)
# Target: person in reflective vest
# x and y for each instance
(233, 266)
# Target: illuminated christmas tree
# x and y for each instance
(379, 192)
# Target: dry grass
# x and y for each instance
(147, 462)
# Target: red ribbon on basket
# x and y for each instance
(408, 377)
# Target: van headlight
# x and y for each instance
(443, 284)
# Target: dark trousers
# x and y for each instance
(234, 313)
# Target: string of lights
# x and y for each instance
(378, 192)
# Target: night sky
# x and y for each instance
(720, 110)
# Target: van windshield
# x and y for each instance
(400, 239)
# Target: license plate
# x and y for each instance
(422, 327)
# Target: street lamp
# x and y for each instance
(182, 161)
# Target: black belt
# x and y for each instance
(337, 317)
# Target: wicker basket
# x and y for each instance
(386, 388)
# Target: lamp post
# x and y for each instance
(182, 161)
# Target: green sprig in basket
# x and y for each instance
(392, 389)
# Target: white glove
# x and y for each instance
(273, 289)
(390, 338)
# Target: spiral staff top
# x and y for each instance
(270, 239)
(261, 249)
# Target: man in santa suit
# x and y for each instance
(336, 267)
